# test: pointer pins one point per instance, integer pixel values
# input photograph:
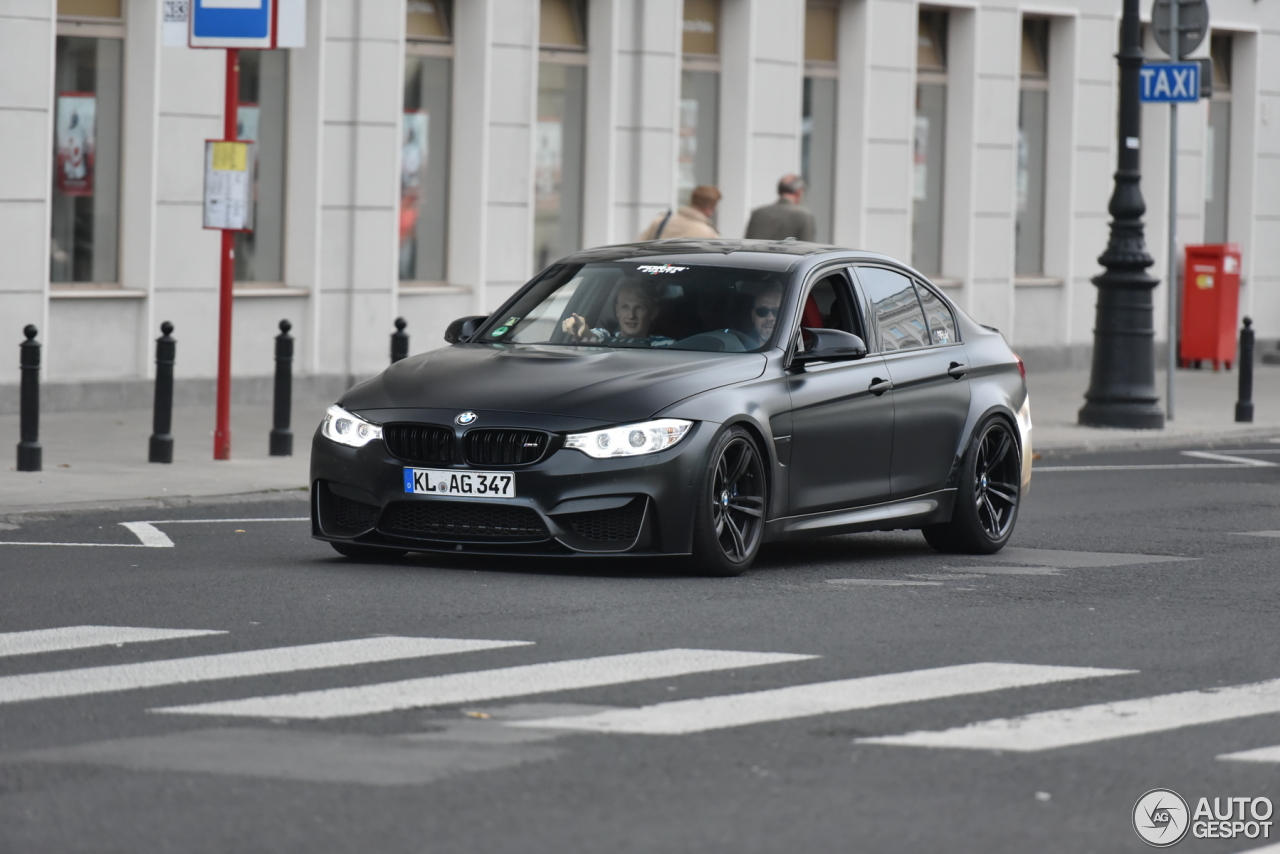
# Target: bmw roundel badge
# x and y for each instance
(465, 418)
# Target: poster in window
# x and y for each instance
(413, 171)
(247, 118)
(73, 169)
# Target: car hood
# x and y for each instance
(598, 383)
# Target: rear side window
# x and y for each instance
(897, 311)
(942, 323)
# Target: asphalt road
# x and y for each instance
(281, 733)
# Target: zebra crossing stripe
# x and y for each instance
(481, 685)
(1262, 754)
(83, 637)
(688, 716)
(1088, 724)
(204, 668)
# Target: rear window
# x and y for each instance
(646, 305)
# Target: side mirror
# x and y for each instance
(829, 345)
(463, 328)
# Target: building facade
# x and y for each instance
(423, 158)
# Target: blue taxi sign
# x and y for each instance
(1169, 82)
(232, 23)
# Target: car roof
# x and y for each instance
(779, 255)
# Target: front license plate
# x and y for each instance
(482, 484)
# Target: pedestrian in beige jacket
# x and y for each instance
(691, 220)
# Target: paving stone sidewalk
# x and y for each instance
(93, 459)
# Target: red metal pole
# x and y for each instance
(222, 432)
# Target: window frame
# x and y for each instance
(77, 26)
(853, 305)
(921, 282)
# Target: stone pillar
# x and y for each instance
(27, 33)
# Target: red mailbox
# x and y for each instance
(1210, 304)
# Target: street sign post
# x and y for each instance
(1179, 26)
(233, 25)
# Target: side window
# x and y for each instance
(829, 305)
(897, 311)
(942, 323)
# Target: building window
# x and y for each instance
(699, 96)
(1033, 122)
(1218, 142)
(262, 118)
(930, 138)
(562, 103)
(87, 89)
(818, 123)
(424, 156)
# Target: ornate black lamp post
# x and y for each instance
(1122, 385)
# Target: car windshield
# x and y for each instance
(648, 305)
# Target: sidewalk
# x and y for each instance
(1204, 410)
(100, 458)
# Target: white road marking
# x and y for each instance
(1266, 849)
(687, 716)
(1257, 533)
(83, 637)
(1153, 467)
(881, 582)
(1101, 722)
(1229, 458)
(1221, 461)
(176, 671)
(480, 685)
(151, 536)
(1262, 754)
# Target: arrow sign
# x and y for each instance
(1169, 83)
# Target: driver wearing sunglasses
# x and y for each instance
(764, 314)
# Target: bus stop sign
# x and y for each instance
(232, 24)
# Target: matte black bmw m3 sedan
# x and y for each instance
(691, 398)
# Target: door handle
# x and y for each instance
(879, 386)
(957, 370)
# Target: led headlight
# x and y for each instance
(630, 440)
(347, 429)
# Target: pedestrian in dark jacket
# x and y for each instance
(784, 218)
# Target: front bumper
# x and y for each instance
(567, 503)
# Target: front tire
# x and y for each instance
(729, 506)
(359, 551)
(988, 495)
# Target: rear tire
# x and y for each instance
(988, 495)
(359, 551)
(729, 506)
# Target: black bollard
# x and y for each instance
(281, 444)
(399, 341)
(160, 448)
(29, 453)
(1244, 406)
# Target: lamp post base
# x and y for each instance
(1126, 414)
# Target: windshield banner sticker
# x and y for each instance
(654, 269)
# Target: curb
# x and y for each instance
(166, 503)
(1158, 442)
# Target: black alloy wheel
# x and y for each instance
(729, 522)
(988, 495)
